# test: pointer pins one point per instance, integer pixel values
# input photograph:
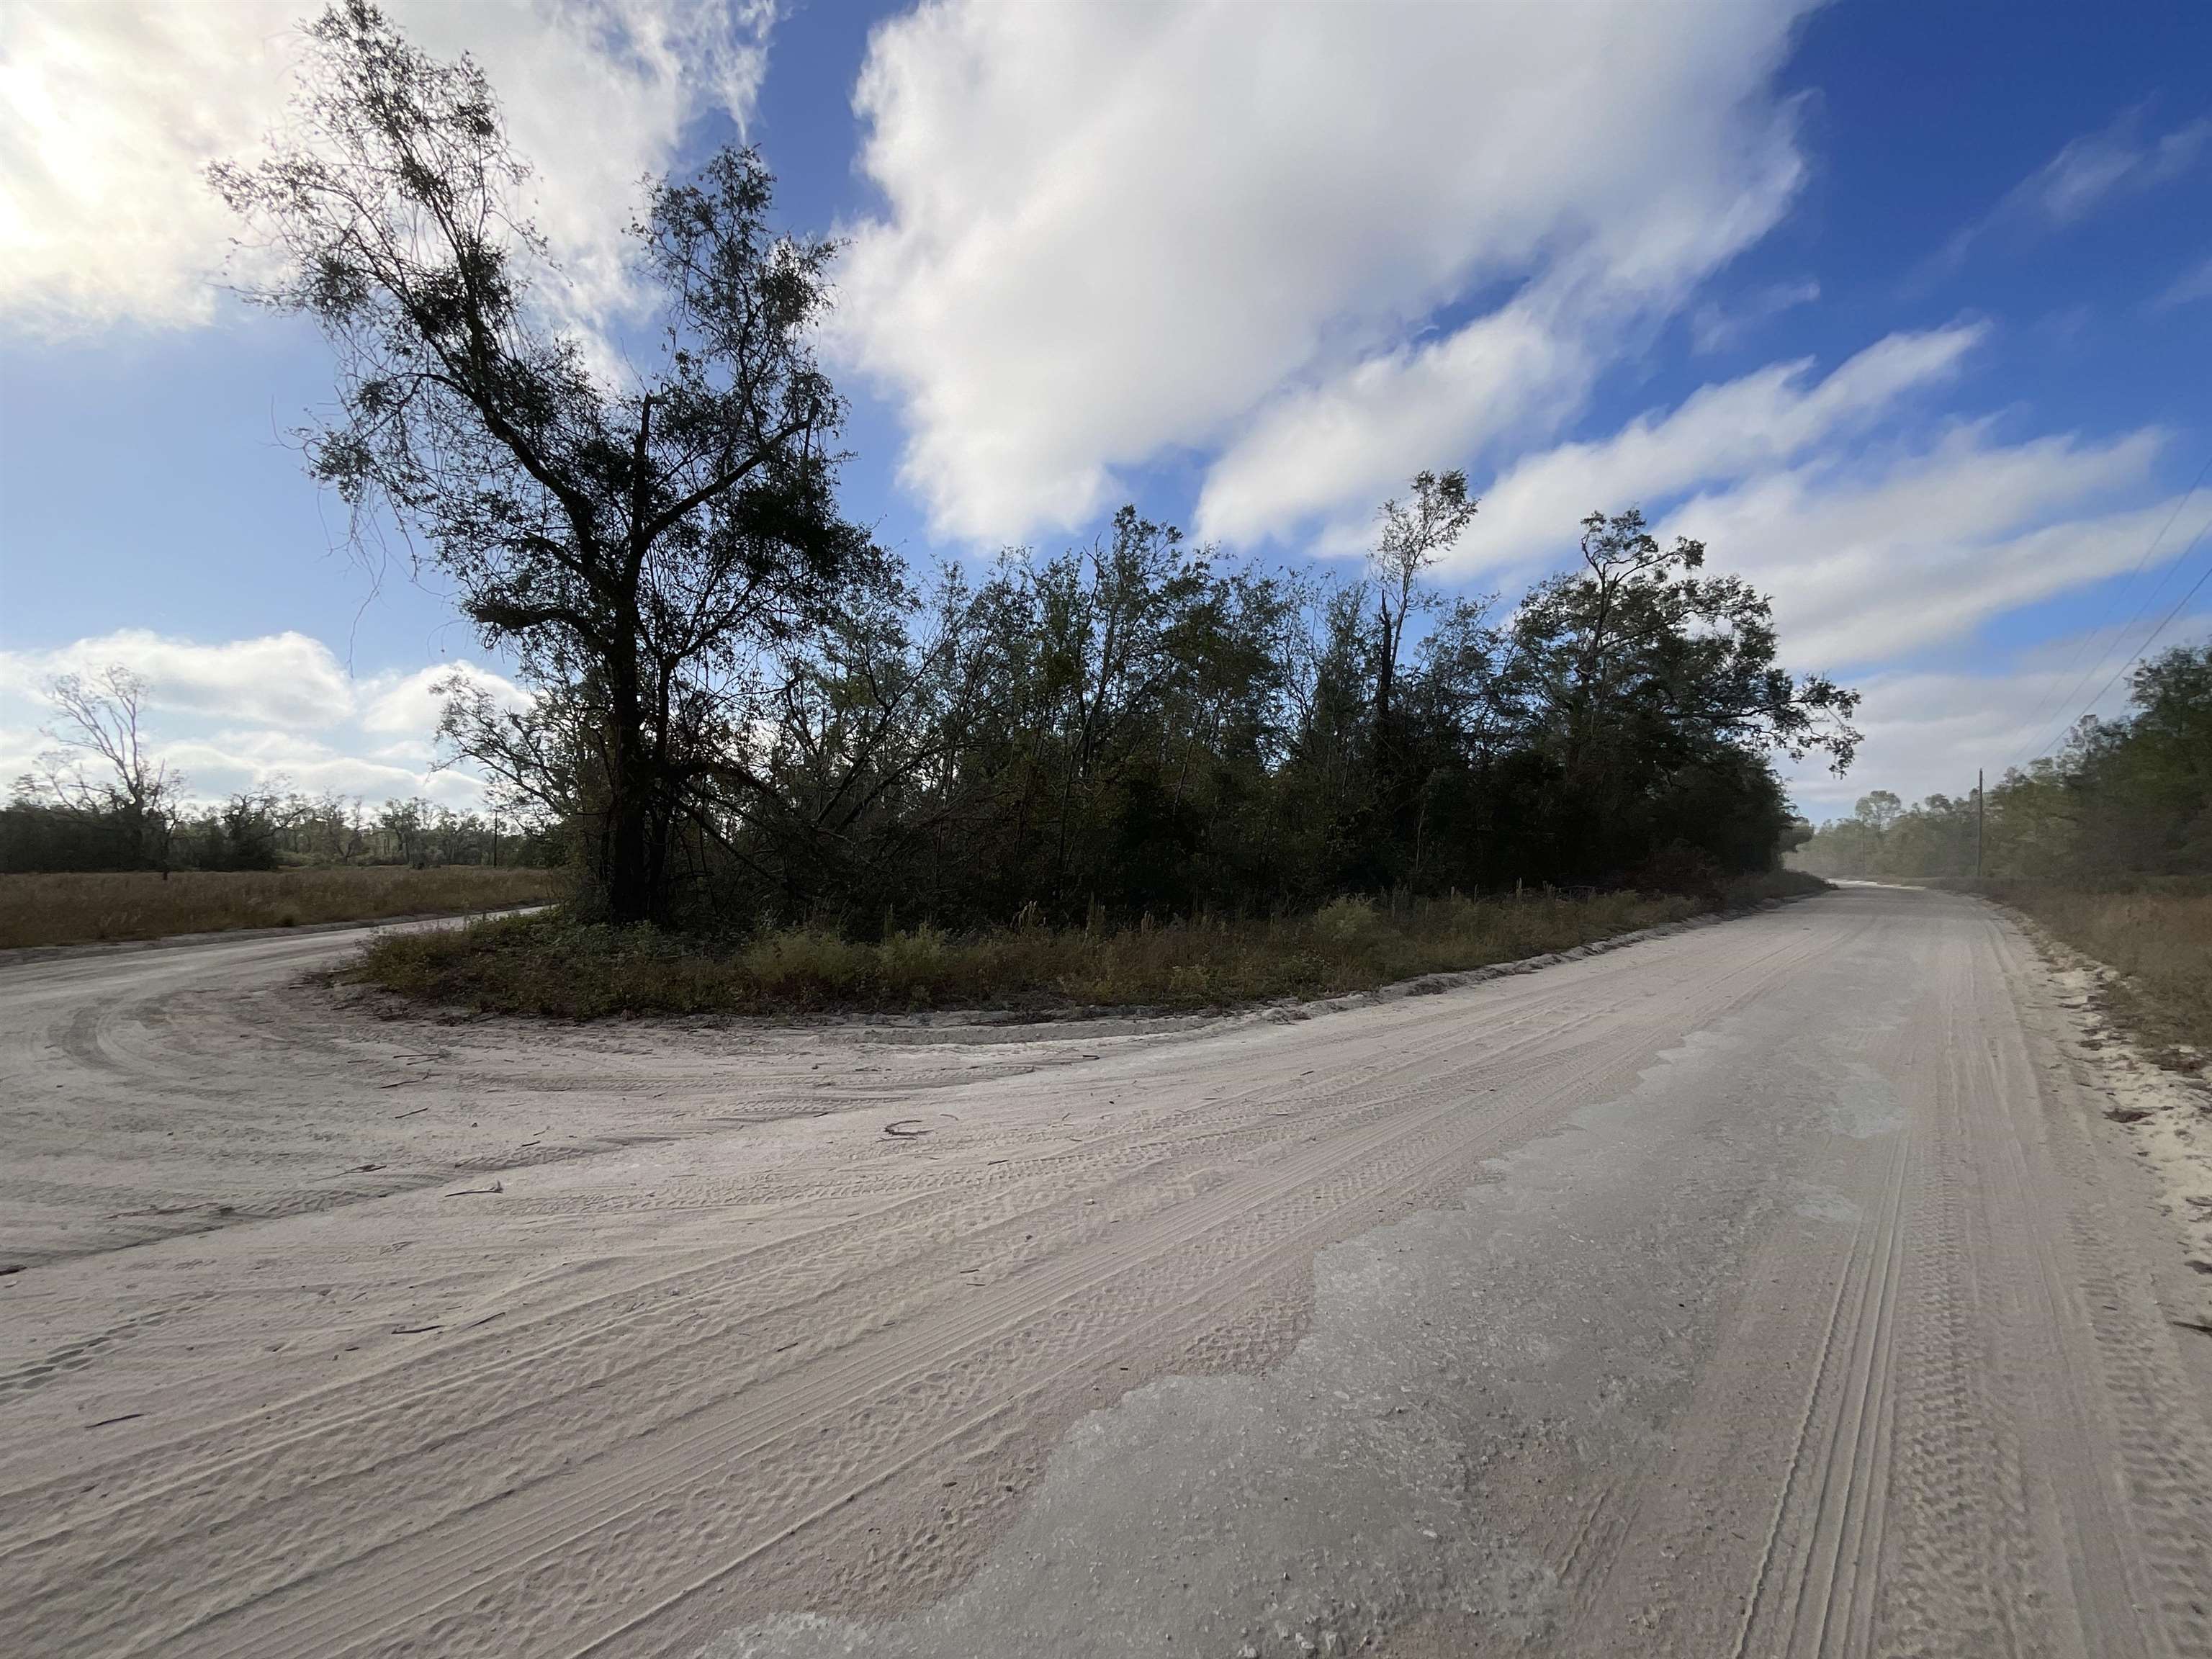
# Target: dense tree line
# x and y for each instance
(102, 799)
(742, 709)
(1137, 726)
(262, 829)
(2125, 801)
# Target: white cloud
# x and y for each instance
(1872, 550)
(1871, 563)
(1717, 327)
(254, 712)
(412, 704)
(20, 749)
(1925, 734)
(1113, 232)
(1315, 453)
(108, 114)
(1720, 432)
(220, 763)
(280, 679)
(2091, 169)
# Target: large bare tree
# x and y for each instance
(105, 771)
(640, 538)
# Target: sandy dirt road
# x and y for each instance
(1771, 1288)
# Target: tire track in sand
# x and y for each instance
(890, 1384)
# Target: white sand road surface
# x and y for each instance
(1776, 1287)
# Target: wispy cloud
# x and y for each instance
(1720, 433)
(1872, 560)
(2192, 285)
(1717, 327)
(2088, 174)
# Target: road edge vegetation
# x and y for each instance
(549, 966)
(2151, 946)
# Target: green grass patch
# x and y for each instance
(548, 966)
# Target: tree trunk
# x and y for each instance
(626, 860)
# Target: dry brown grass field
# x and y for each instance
(2161, 941)
(72, 908)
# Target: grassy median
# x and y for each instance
(72, 909)
(548, 966)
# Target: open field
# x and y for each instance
(544, 966)
(1776, 1287)
(75, 909)
(2161, 941)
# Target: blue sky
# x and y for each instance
(1906, 311)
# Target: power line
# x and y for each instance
(2149, 640)
(2083, 644)
(2179, 605)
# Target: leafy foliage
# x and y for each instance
(1141, 727)
(640, 538)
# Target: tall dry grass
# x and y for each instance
(546, 966)
(70, 909)
(2161, 941)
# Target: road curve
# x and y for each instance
(1772, 1288)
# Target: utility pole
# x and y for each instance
(1981, 811)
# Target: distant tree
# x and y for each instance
(1879, 810)
(104, 772)
(1415, 533)
(639, 543)
(248, 826)
(404, 821)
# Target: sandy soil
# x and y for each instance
(2168, 1113)
(158, 1091)
(1779, 1287)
